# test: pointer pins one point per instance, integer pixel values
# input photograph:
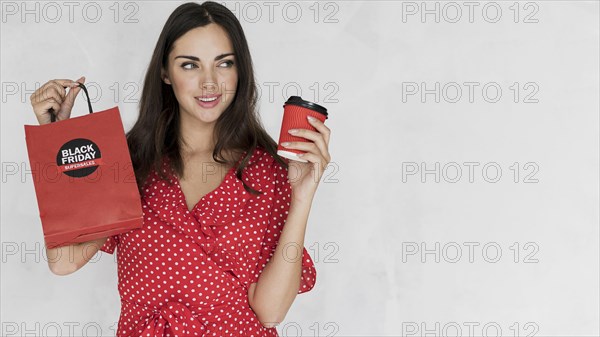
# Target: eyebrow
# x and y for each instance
(194, 58)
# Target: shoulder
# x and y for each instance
(263, 166)
(265, 159)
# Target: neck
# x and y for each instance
(198, 138)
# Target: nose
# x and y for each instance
(209, 85)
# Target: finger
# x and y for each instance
(61, 84)
(50, 89)
(55, 92)
(78, 81)
(320, 126)
(50, 92)
(44, 106)
(51, 103)
(70, 99)
(318, 162)
(40, 94)
(65, 83)
(60, 89)
(303, 146)
(316, 137)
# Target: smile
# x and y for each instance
(208, 101)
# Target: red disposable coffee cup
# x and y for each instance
(295, 112)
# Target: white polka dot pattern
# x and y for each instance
(187, 273)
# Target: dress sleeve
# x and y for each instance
(110, 244)
(281, 204)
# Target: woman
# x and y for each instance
(213, 257)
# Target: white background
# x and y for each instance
(365, 56)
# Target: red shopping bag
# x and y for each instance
(83, 177)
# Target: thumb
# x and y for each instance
(70, 98)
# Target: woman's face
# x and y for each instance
(202, 73)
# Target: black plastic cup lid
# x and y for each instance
(297, 100)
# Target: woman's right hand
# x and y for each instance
(52, 98)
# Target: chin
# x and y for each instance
(207, 119)
(202, 115)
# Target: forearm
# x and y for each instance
(279, 281)
(67, 259)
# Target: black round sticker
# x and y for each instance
(78, 158)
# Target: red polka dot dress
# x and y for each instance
(187, 273)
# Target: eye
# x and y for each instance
(228, 64)
(187, 64)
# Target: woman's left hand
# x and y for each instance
(305, 177)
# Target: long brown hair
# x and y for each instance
(156, 133)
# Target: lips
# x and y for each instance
(208, 101)
(208, 97)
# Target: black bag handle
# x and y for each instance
(53, 117)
